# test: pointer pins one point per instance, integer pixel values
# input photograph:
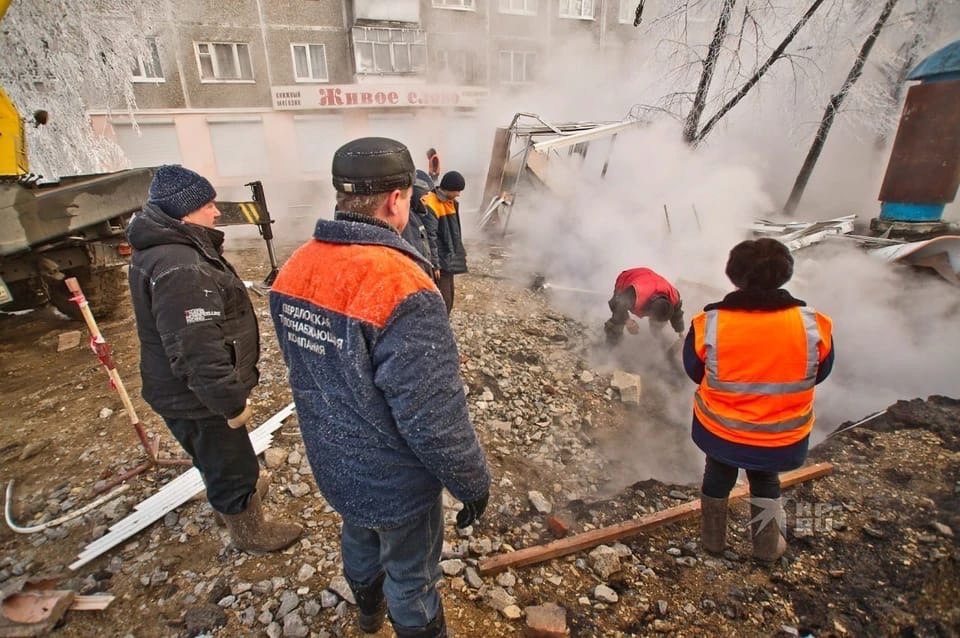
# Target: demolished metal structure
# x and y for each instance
(172, 495)
(523, 150)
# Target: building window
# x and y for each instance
(309, 62)
(516, 67)
(522, 7)
(628, 10)
(389, 50)
(465, 5)
(146, 66)
(580, 9)
(461, 66)
(224, 61)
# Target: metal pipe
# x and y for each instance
(8, 511)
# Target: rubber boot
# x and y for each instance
(713, 523)
(436, 628)
(263, 488)
(371, 605)
(253, 533)
(766, 515)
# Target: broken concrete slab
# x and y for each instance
(68, 340)
(628, 385)
(32, 449)
(546, 621)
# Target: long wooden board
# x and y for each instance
(578, 542)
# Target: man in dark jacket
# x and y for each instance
(451, 254)
(421, 231)
(199, 347)
(375, 375)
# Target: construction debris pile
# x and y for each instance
(873, 544)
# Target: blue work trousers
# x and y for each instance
(410, 557)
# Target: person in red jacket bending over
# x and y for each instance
(644, 293)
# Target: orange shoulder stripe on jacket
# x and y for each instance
(364, 282)
(439, 208)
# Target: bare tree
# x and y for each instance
(706, 76)
(777, 54)
(833, 107)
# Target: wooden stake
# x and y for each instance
(586, 540)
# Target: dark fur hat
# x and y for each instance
(760, 264)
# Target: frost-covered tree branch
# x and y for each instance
(61, 57)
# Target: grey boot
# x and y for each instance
(713, 523)
(263, 488)
(371, 604)
(766, 519)
(436, 628)
(252, 532)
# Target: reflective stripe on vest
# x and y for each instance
(712, 378)
(735, 424)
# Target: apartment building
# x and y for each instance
(267, 89)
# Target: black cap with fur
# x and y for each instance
(759, 264)
(372, 165)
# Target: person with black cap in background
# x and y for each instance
(757, 355)
(644, 293)
(452, 256)
(199, 348)
(375, 375)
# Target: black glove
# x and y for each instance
(472, 511)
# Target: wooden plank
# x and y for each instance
(91, 603)
(578, 542)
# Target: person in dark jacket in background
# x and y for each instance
(421, 231)
(376, 379)
(644, 293)
(757, 355)
(199, 347)
(451, 254)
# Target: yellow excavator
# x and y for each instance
(75, 226)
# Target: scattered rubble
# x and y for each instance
(540, 405)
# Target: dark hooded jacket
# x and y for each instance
(421, 186)
(416, 235)
(199, 339)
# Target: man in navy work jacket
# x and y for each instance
(375, 376)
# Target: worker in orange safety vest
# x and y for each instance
(756, 356)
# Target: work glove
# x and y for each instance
(472, 511)
(241, 419)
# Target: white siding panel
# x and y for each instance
(239, 148)
(317, 140)
(152, 145)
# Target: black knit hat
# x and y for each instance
(178, 191)
(452, 181)
(372, 165)
(760, 264)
